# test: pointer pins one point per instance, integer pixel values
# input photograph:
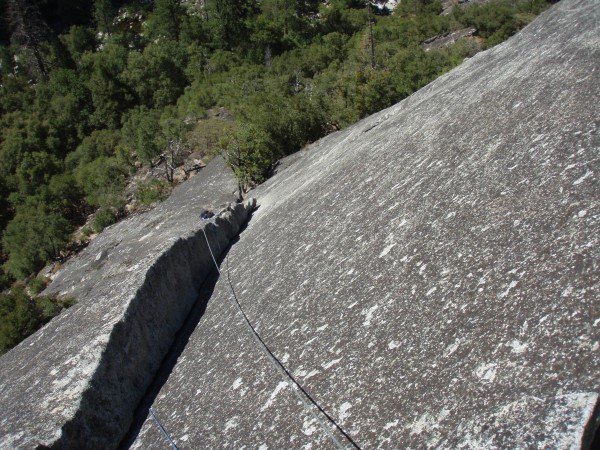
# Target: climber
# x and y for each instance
(206, 214)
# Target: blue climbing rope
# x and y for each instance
(286, 375)
(162, 428)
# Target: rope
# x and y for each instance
(286, 375)
(162, 429)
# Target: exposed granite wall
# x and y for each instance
(76, 383)
(431, 275)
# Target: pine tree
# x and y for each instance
(104, 15)
(165, 19)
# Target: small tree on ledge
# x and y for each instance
(249, 152)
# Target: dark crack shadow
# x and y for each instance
(591, 436)
(179, 344)
(168, 363)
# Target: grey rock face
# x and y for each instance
(430, 275)
(449, 5)
(449, 38)
(76, 383)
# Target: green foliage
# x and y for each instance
(249, 152)
(104, 15)
(15, 94)
(172, 127)
(205, 136)
(22, 133)
(97, 144)
(33, 237)
(411, 8)
(227, 22)
(38, 284)
(5, 279)
(36, 169)
(64, 105)
(156, 75)
(4, 205)
(497, 20)
(192, 32)
(102, 181)
(283, 24)
(65, 196)
(105, 216)
(290, 121)
(110, 94)
(196, 100)
(165, 19)
(141, 134)
(21, 315)
(152, 191)
(344, 16)
(78, 41)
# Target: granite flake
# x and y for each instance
(77, 381)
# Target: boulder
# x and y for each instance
(450, 38)
(449, 5)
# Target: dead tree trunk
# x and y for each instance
(29, 30)
(171, 156)
(371, 40)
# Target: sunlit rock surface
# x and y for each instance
(76, 383)
(430, 275)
